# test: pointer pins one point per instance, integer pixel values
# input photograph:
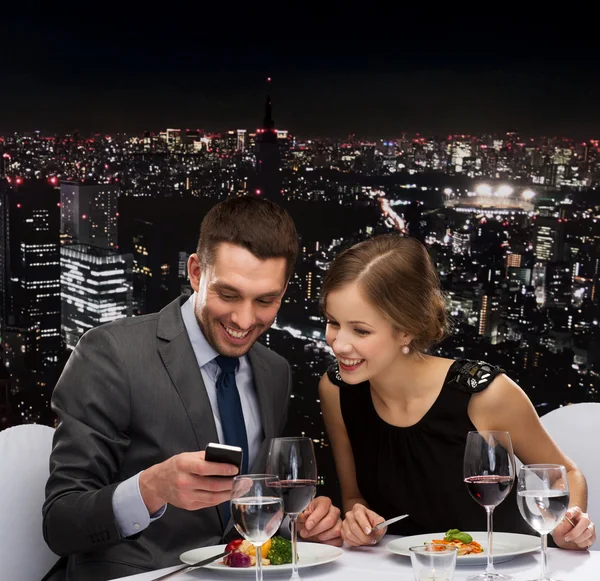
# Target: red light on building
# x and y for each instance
(53, 180)
(19, 181)
(84, 216)
(117, 214)
(258, 192)
(18, 205)
(59, 204)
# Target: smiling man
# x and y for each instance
(139, 400)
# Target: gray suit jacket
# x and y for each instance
(132, 395)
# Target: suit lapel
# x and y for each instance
(178, 357)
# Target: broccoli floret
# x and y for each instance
(280, 552)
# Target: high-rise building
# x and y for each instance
(461, 243)
(268, 183)
(519, 275)
(89, 213)
(512, 261)
(559, 285)
(241, 140)
(96, 288)
(33, 257)
(549, 239)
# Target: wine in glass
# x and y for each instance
(543, 499)
(293, 461)
(489, 473)
(257, 510)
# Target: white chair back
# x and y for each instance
(576, 430)
(24, 469)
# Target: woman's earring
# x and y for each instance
(406, 349)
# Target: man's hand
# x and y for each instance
(321, 523)
(186, 481)
(358, 524)
(580, 537)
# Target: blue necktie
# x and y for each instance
(230, 410)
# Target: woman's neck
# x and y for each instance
(411, 377)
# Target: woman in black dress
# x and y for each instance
(398, 418)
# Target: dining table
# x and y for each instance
(377, 563)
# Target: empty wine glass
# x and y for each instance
(293, 461)
(257, 510)
(543, 499)
(489, 473)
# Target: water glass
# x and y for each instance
(431, 562)
(543, 499)
(257, 510)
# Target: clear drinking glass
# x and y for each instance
(293, 461)
(257, 510)
(431, 562)
(489, 473)
(543, 499)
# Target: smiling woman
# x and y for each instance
(398, 417)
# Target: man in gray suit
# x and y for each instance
(139, 400)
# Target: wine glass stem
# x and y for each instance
(259, 575)
(294, 534)
(544, 556)
(490, 556)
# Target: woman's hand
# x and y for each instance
(357, 526)
(580, 537)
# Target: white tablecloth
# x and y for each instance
(375, 563)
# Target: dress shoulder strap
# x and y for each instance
(470, 376)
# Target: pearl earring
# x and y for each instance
(406, 349)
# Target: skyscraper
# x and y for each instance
(549, 239)
(96, 288)
(89, 213)
(268, 183)
(34, 263)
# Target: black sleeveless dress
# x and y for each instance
(419, 469)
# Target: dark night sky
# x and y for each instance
(336, 70)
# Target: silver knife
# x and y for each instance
(385, 523)
(197, 565)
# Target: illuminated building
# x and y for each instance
(33, 291)
(549, 239)
(461, 243)
(96, 288)
(268, 183)
(89, 213)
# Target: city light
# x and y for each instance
(504, 191)
(484, 190)
(528, 195)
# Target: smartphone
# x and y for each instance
(224, 454)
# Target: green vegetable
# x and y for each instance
(280, 552)
(456, 535)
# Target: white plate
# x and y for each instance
(309, 555)
(507, 546)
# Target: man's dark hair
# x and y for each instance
(260, 226)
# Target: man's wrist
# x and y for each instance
(150, 496)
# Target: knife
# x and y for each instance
(197, 565)
(385, 523)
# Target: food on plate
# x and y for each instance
(276, 551)
(280, 552)
(462, 541)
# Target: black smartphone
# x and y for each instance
(224, 454)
